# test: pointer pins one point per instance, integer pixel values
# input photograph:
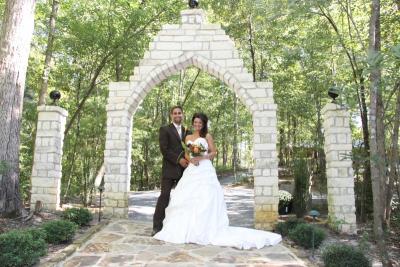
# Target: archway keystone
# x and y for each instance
(197, 43)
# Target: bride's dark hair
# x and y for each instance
(204, 119)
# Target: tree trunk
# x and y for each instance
(367, 202)
(394, 157)
(145, 164)
(15, 40)
(377, 134)
(118, 67)
(224, 153)
(49, 53)
(252, 50)
(235, 138)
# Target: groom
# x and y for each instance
(173, 162)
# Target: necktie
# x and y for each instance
(178, 129)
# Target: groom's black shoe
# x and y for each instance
(154, 232)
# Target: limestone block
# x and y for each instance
(265, 181)
(220, 38)
(266, 216)
(179, 32)
(222, 45)
(170, 26)
(158, 55)
(222, 54)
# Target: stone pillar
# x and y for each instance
(46, 172)
(340, 180)
(265, 171)
(193, 16)
(117, 154)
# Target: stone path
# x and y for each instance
(128, 242)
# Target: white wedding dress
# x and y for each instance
(197, 213)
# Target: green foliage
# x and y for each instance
(302, 235)
(22, 247)
(36, 233)
(285, 227)
(338, 255)
(80, 216)
(59, 231)
(301, 187)
(335, 223)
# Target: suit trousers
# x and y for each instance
(162, 202)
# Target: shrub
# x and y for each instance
(284, 227)
(22, 247)
(80, 216)
(59, 231)
(339, 255)
(36, 233)
(301, 196)
(302, 235)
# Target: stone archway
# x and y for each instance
(194, 42)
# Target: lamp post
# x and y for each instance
(101, 189)
(314, 214)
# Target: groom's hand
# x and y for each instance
(195, 161)
(183, 162)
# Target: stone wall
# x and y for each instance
(46, 172)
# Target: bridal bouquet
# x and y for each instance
(194, 150)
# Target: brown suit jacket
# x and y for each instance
(172, 151)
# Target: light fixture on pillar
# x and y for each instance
(193, 3)
(333, 92)
(55, 96)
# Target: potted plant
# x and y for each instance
(285, 202)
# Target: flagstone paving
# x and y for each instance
(128, 242)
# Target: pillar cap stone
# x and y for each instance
(56, 109)
(333, 106)
(193, 16)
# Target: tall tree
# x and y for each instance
(377, 136)
(49, 52)
(15, 39)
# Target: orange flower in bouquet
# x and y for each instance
(193, 150)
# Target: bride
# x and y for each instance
(197, 211)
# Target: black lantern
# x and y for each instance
(193, 3)
(333, 92)
(55, 96)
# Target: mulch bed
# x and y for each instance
(36, 220)
(364, 239)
